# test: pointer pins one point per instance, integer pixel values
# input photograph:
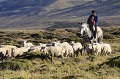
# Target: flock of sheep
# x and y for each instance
(57, 49)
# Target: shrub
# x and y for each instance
(114, 62)
(18, 78)
(16, 64)
(36, 35)
(70, 77)
(23, 35)
(116, 33)
(70, 30)
(108, 36)
(30, 56)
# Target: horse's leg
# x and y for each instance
(83, 44)
(100, 39)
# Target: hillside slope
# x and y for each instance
(37, 14)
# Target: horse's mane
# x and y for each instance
(88, 29)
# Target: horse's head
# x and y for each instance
(82, 27)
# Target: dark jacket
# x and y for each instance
(95, 18)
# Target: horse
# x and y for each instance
(87, 34)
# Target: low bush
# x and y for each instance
(36, 35)
(108, 36)
(114, 62)
(18, 78)
(116, 32)
(16, 64)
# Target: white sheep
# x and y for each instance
(20, 51)
(53, 51)
(7, 50)
(67, 47)
(77, 47)
(57, 51)
(3, 52)
(40, 46)
(106, 48)
(26, 44)
(96, 48)
(37, 49)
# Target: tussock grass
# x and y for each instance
(114, 62)
(37, 66)
(15, 64)
(82, 67)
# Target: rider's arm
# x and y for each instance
(96, 20)
(88, 20)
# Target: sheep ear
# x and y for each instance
(81, 22)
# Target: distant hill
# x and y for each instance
(40, 14)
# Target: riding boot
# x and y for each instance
(94, 34)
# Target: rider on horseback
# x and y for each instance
(93, 23)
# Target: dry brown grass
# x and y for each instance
(83, 67)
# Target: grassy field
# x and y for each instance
(35, 66)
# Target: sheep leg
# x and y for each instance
(51, 57)
(81, 51)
